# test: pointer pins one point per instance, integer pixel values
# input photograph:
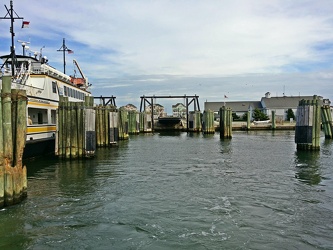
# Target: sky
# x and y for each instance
(212, 48)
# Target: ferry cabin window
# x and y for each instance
(37, 115)
(53, 116)
(54, 87)
(65, 90)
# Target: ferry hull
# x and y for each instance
(169, 121)
(35, 148)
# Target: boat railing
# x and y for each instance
(22, 74)
(38, 69)
(55, 73)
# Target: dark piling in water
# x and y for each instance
(307, 131)
(225, 122)
(208, 122)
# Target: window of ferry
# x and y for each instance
(53, 116)
(65, 90)
(54, 87)
(37, 115)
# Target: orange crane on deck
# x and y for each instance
(82, 81)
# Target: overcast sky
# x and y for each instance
(211, 48)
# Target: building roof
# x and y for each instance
(242, 106)
(178, 104)
(284, 101)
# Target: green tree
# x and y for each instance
(235, 117)
(290, 114)
(258, 115)
(244, 117)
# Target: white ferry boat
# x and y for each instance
(44, 85)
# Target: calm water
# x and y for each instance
(179, 191)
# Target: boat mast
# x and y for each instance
(64, 48)
(10, 15)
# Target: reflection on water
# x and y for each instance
(308, 167)
(179, 191)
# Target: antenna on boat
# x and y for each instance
(24, 45)
(10, 15)
(64, 48)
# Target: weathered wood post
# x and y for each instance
(307, 132)
(133, 122)
(327, 121)
(80, 129)
(145, 122)
(248, 120)
(208, 122)
(13, 176)
(123, 124)
(75, 135)
(113, 126)
(195, 124)
(225, 122)
(273, 120)
(89, 117)
(2, 166)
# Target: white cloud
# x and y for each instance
(117, 41)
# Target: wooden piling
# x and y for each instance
(123, 124)
(80, 129)
(145, 123)
(75, 135)
(225, 122)
(195, 124)
(273, 120)
(133, 122)
(113, 127)
(2, 166)
(327, 121)
(13, 176)
(307, 131)
(248, 120)
(7, 119)
(208, 122)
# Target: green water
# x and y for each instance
(179, 191)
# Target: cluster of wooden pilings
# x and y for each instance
(208, 122)
(225, 122)
(133, 122)
(75, 135)
(106, 125)
(13, 123)
(123, 124)
(195, 124)
(326, 118)
(145, 122)
(307, 131)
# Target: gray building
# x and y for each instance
(239, 108)
(267, 104)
